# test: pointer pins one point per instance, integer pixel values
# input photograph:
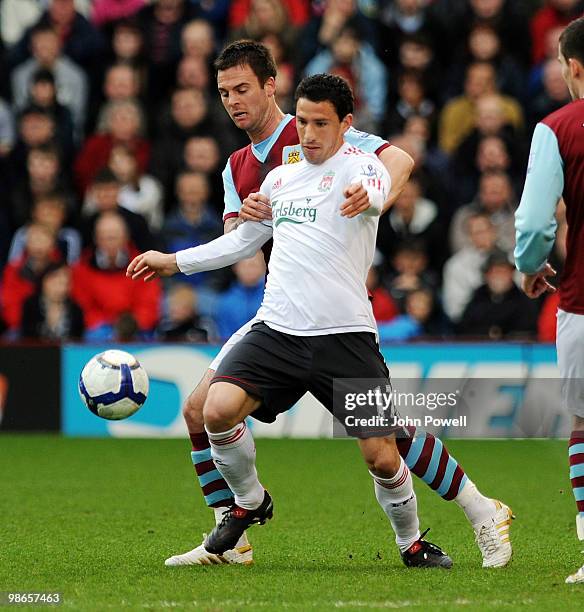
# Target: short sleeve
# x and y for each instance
(365, 141)
(232, 201)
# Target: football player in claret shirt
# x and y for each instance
(556, 170)
(246, 82)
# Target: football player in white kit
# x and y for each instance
(315, 324)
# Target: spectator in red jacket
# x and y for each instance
(21, 277)
(124, 126)
(102, 289)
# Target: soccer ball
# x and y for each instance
(113, 385)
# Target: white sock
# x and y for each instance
(219, 512)
(397, 499)
(234, 454)
(474, 504)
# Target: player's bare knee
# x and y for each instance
(381, 457)
(578, 423)
(221, 411)
(192, 411)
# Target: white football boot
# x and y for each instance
(578, 577)
(493, 538)
(242, 555)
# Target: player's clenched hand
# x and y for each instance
(534, 285)
(256, 207)
(151, 265)
(357, 200)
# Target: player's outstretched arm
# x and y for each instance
(399, 164)
(151, 265)
(226, 250)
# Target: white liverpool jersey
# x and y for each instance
(319, 260)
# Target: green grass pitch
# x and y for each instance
(95, 519)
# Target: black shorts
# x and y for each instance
(279, 369)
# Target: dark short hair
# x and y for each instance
(327, 88)
(105, 177)
(248, 53)
(49, 149)
(43, 75)
(572, 40)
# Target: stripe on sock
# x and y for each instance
(576, 448)
(234, 437)
(576, 459)
(428, 458)
(439, 456)
(458, 481)
(215, 490)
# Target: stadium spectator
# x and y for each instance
(193, 73)
(554, 95)
(554, 13)
(240, 302)
(70, 80)
(20, 277)
(109, 299)
(140, 193)
(483, 44)
(121, 82)
(51, 314)
(198, 40)
(81, 41)
(401, 19)
(324, 27)
(410, 272)
(494, 198)
(457, 118)
(507, 17)
(353, 58)
(124, 127)
(201, 154)
(413, 218)
(183, 323)
(50, 211)
(498, 309)
(193, 221)
(552, 40)
(266, 17)
(416, 320)
(161, 23)
(297, 12)
(44, 176)
(107, 11)
(286, 72)
(416, 54)
(104, 197)
(411, 102)
(127, 47)
(493, 144)
(43, 95)
(188, 117)
(463, 271)
(384, 306)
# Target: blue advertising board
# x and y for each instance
(174, 371)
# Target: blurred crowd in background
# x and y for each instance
(113, 139)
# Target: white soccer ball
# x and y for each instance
(113, 385)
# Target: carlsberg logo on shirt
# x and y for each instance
(292, 212)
